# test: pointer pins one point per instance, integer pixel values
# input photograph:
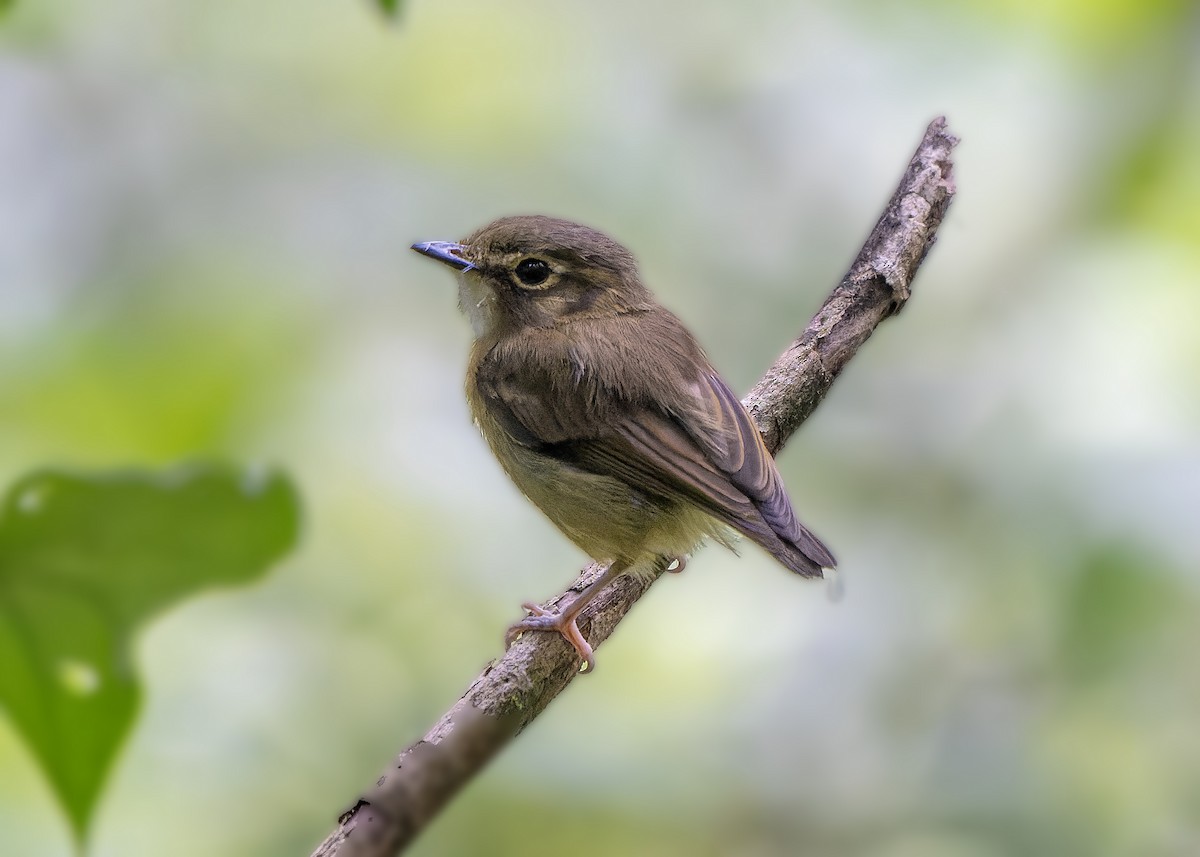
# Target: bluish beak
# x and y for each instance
(444, 251)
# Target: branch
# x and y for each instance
(514, 690)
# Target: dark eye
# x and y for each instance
(532, 272)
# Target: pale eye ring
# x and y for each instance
(532, 272)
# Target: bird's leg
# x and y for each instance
(563, 620)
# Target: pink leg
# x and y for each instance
(563, 621)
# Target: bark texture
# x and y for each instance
(517, 687)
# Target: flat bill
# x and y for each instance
(444, 251)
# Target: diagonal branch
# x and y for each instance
(512, 691)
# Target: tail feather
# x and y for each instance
(804, 553)
(814, 549)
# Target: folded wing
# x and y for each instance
(710, 452)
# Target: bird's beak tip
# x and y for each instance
(447, 252)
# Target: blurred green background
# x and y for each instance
(205, 213)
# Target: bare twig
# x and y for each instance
(514, 690)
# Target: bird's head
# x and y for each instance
(533, 271)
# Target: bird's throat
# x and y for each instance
(478, 303)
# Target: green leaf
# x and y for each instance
(389, 7)
(85, 560)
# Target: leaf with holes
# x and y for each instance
(85, 560)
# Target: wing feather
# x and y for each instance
(708, 451)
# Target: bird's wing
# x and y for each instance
(709, 451)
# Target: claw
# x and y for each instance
(541, 619)
(563, 619)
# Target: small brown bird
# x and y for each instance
(605, 412)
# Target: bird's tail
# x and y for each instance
(796, 547)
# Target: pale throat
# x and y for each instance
(477, 302)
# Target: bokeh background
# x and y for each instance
(205, 213)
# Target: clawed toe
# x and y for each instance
(541, 619)
(563, 620)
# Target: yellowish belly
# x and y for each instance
(605, 517)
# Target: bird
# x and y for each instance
(606, 413)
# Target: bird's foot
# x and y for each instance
(541, 619)
(677, 564)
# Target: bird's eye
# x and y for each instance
(532, 272)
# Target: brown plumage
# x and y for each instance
(604, 410)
